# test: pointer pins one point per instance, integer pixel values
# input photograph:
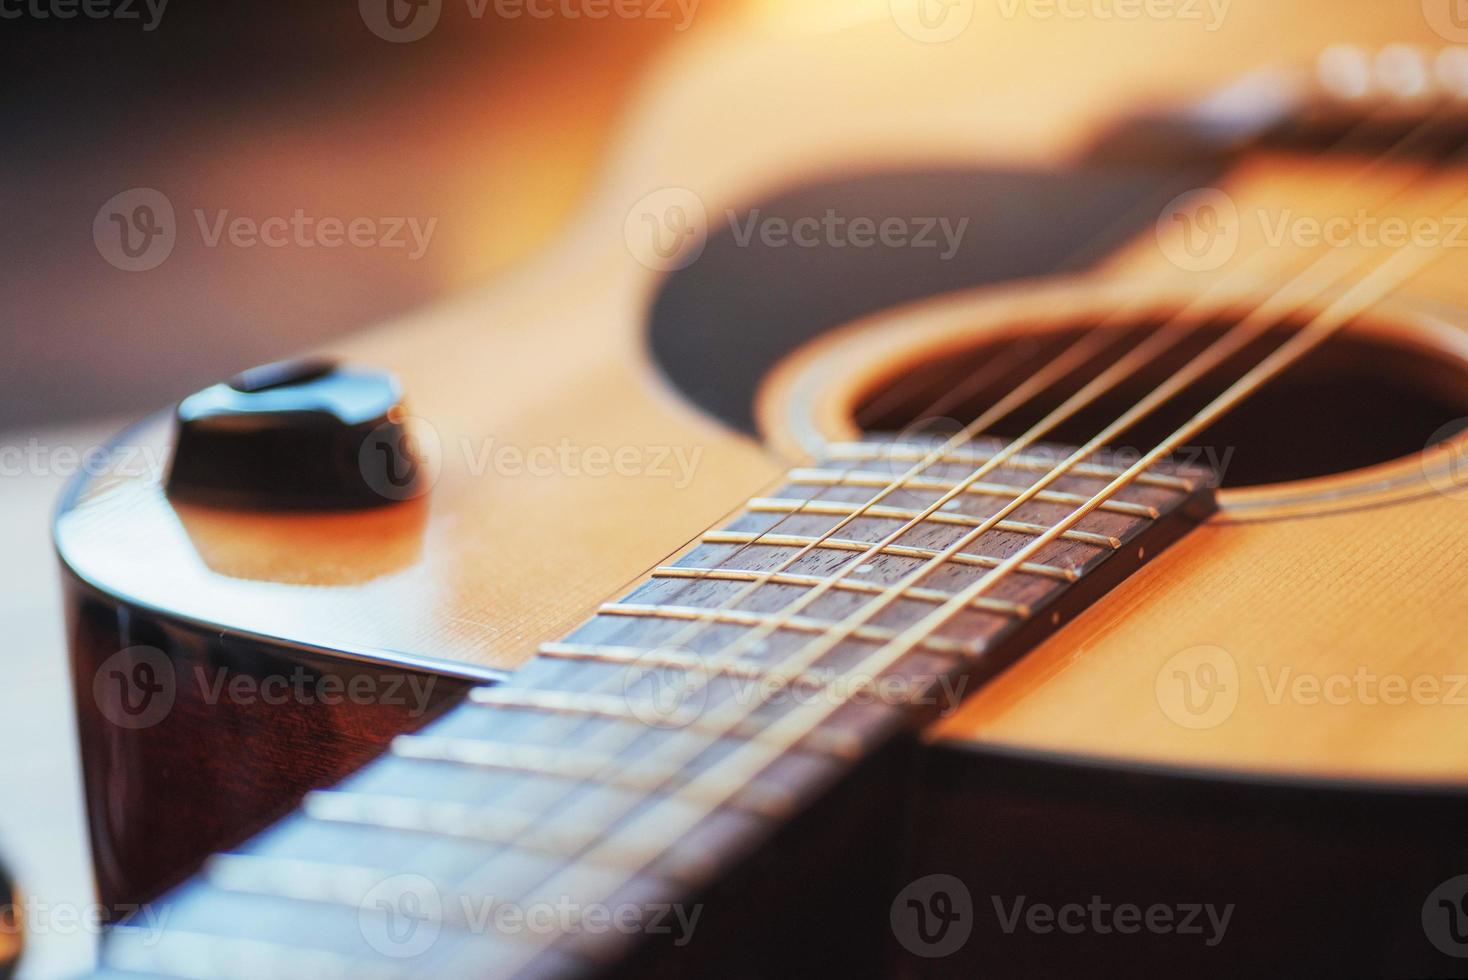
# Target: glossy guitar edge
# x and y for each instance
(462, 586)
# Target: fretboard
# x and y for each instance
(541, 827)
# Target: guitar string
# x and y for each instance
(1095, 502)
(1216, 354)
(753, 757)
(1381, 282)
(1162, 339)
(712, 662)
(1336, 314)
(1158, 341)
(919, 468)
(1089, 344)
(564, 726)
(1119, 230)
(757, 755)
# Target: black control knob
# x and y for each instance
(296, 435)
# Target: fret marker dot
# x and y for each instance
(951, 505)
(863, 569)
(1141, 553)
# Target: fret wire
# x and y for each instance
(644, 657)
(813, 476)
(535, 760)
(799, 624)
(440, 817)
(823, 741)
(1012, 399)
(899, 550)
(850, 747)
(604, 851)
(633, 775)
(1078, 352)
(291, 878)
(1010, 564)
(862, 453)
(1259, 319)
(615, 708)
(1087, 394)
(206, 956)
(398, 813)
(607, 706)
(776, 505)
(1154, 345)
(885, 657)
(1002, 607)
(1124, 367)
(1148, 349)
(345, 886)
(473, 821)
(330, 883)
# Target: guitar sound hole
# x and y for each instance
(1356, 401)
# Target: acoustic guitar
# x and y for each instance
(941, 510)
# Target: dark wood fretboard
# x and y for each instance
(555, 820)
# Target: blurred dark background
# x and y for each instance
(489, 125)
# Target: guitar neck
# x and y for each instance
(552, 822)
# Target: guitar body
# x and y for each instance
(1260, 724)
